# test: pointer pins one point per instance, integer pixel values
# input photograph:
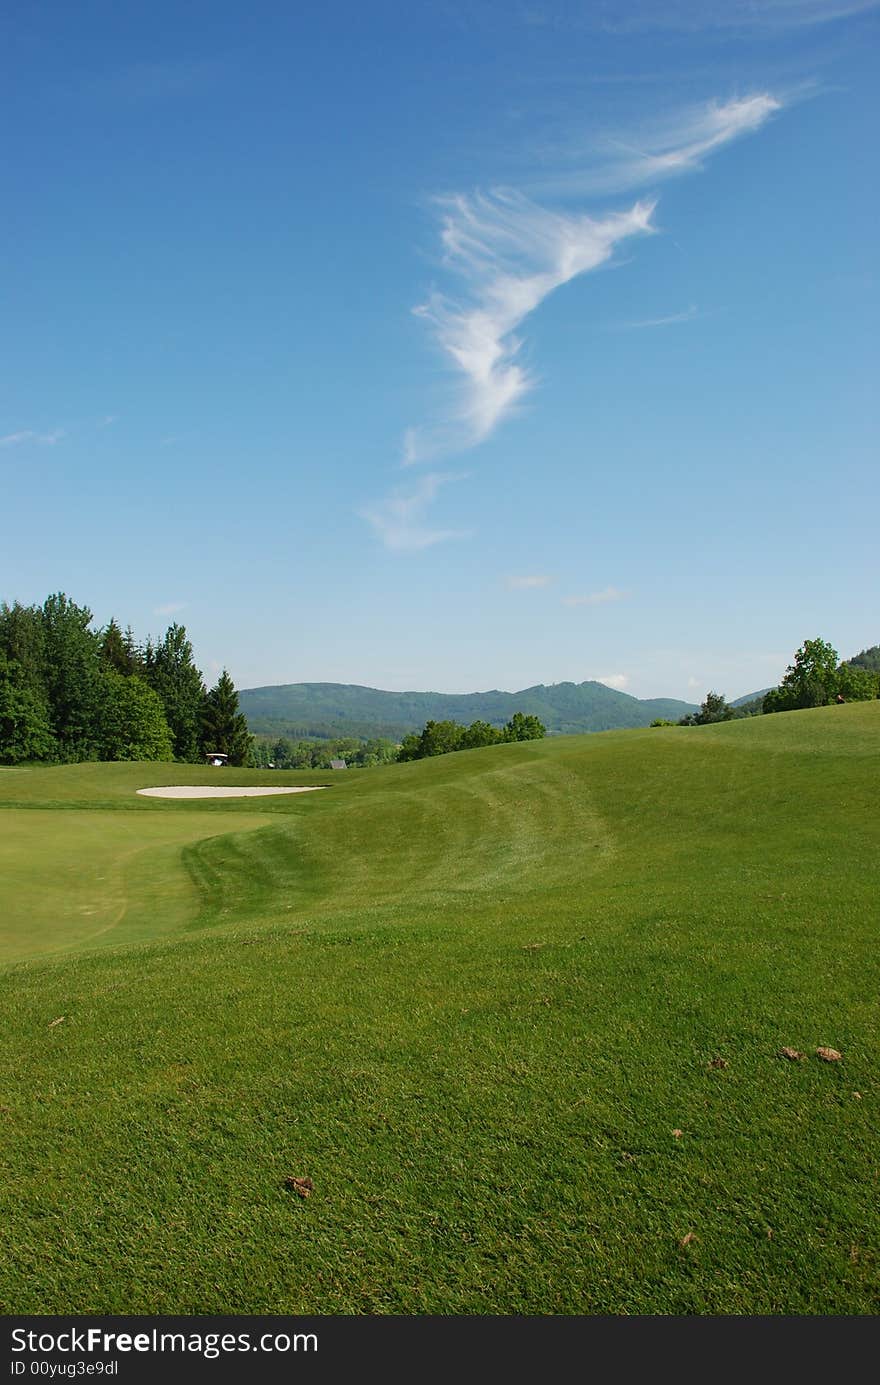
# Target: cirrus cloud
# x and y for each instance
(528, 582)
(29, 435)
(601, 598)
(505, 253)
(398, 519)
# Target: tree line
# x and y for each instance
(815, 678)
(70, 693)
(435, 738)
(284, 753)
(441, 737)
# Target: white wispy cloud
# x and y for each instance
(410, 450)
(510, 253)
(29, 435)
(689, 17)
(107, 420)
(399, 519)
(595, 598)
(526, 582)
(670, 321)
(507, 253)
(170, 608)
(681, 144)
(614, 680)
(664, 147)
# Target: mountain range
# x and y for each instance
(329, 710)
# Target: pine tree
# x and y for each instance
(170, 671)
(224, 727)
(113, 651)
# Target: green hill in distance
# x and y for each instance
(346, 709)
(867, 658)
(749, 697)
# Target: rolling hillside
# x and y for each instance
(518, 1013)
(344, 709)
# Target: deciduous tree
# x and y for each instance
(813, 680)
(524, 728)
(857, 684)
(132, 721)
(714, 709)
(25, 733)
(72, 676)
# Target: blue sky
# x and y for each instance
(446, 345)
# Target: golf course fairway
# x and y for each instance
(518, 1013)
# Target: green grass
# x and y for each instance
(472, 998)
(106, 877)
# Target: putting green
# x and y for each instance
(69, 879)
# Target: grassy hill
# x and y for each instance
(516, 1012)
(344, 709)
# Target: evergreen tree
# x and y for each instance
(224, 727)
(133, 653)
(170, 671)
(118, 651)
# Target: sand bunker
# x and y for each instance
(215, 791)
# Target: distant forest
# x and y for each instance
(70, 693)
(869, 659)
(299, 712)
